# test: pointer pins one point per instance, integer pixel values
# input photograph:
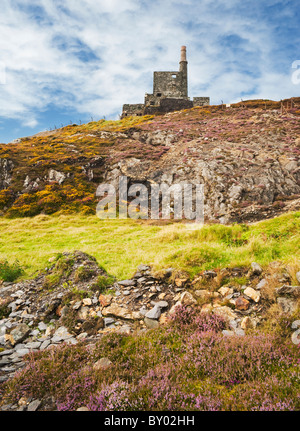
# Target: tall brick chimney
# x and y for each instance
(183, 53)
(184, 73)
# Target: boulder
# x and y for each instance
(187, 298)
(116, 310)
(256, 269)
(225, 312)
(127, 283)
(154, 313)
(18, 334)
(151, 323)
(225, 291)
(288, 290)
(252, 294)
(242, 304)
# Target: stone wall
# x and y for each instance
(201, 101)
(169, 105)
(169, 84)
(133, 109)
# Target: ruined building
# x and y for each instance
(170, 93)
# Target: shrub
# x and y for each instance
(194, 319)
(10, 272)
(102, 283)
(83, 273)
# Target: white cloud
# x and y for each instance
(45, 46)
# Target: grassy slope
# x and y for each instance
(120, 246)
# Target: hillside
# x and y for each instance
(74, 337)
(146, 315)
(246, 155)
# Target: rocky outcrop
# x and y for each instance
(251, 179)
(6, 171)
(246, 156)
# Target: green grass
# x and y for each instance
(121, 245)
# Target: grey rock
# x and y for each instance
(45, 344)
(288, 290)
(19, 333)
(127, 283)
(109, 321)
(34, 405)
(35, 333)
(154, 313)
(61, 334)
(141, 280)
(256, 269)
(6, 352)
(42, 326)
(33, 345)
(18, 294)
(77, 305)
(15, 314)
(19, 347)
(82, 336)
(150, 323)
(143, 268)
(4, 361)
(240, 332)
(22, 352)
(162, 304)
(57, 176)
(233, 324)
(261, 284)
(143, 310)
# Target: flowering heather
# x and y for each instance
(187, 365)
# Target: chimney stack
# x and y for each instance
(183, 53)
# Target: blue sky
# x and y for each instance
(65, 61)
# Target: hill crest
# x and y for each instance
(246, 155)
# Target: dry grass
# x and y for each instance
(121, 245)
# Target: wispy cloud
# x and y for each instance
(91, 56)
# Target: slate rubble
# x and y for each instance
(37, 317)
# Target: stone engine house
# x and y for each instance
(170, 93)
